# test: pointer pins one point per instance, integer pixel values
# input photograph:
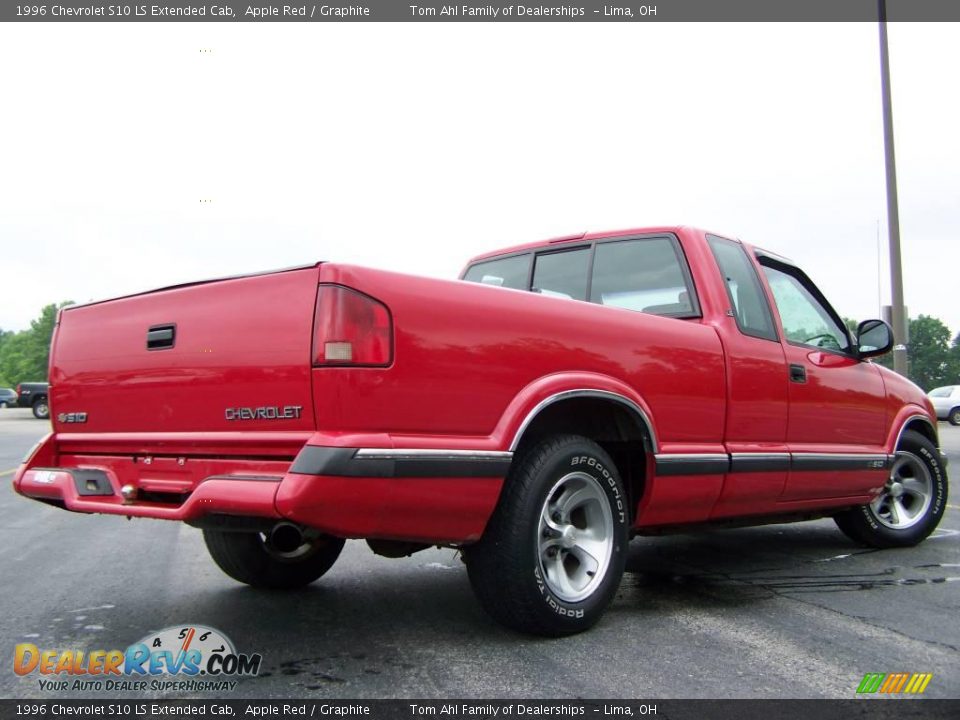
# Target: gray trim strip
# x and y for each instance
(759, 462)
(416, 462)
(400, 463)
(804, 462)
(692, 464)
(417, 454)
(714, 463)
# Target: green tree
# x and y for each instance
(24, 356)
(955, 351)
(5, 337)
(933, 358)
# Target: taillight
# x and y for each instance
(351, 328)
(18, 389)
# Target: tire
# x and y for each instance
(41, 409)
(4, 405)
(954, 417)
(535, 569)
(248, 557)
(911, 504)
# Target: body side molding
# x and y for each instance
(668, 464)
(400, 463)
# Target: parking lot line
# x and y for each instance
(8, 472)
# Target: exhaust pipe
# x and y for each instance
(286, 537)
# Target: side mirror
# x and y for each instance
(874, 337)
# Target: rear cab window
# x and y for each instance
(562, 274)
(649, 275)
(644, 274)
(509, 272)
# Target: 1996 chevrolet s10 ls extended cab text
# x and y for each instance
(571, 394)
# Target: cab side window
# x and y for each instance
(509, 272)
(805, 317)
(647, 274)
(743, 289)
(562, 274)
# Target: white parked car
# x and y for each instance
(946, 402)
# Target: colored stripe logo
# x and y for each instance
(894, 683)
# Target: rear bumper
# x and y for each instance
(425, 496)
(220, 496)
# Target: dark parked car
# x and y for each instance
(8, 398)
(34, 395)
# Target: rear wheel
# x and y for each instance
(911, 503)
(41, 410)
(551, 558)
(252, 559)
(954, 417)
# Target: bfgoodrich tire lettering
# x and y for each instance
(552, 556)
(248, 557)
(911, 504)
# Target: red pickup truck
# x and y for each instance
(559, 399)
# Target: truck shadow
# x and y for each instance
(743, 566)
(375, 627)
(415, 598)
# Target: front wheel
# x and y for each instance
(41, 410)
(252, 559)
(551, 558)
(954, 417)
(911, 503)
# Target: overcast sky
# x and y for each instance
(415, 146)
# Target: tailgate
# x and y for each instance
(221, 356)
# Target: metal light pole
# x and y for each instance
(893, 212)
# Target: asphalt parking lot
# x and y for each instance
(769, 612)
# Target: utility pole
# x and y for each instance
(893, 212)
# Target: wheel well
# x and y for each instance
(618, 430)
(923, 427)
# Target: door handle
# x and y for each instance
(798, 373)
(161, 337)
